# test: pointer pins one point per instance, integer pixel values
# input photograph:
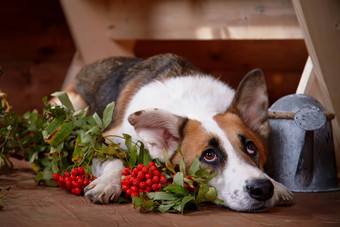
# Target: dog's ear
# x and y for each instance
(251, 102)
(159, 129)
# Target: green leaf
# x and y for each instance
(185, 201)
(78, 151)
(101, 157)
(128, 141)
(144, 156)
(50, 182)
(176, 189)
(54, 166)
(47, 175)
(179, 151)
(98, 120)
(62, 132)
(133, 156)
(55, 124)
(202, 172)
(182, 166)
(38, 177)
(211, 194)
(107, 115)
(161, 196)
(165, 207)
(80, 113)
(45, 100)
(33, 157)
(64, 99)
(178, 179)
(194, 166)
(219, 200)
(167, 162)
(210, 177)
(137, 201)
(203, 188)
(94, 130)
(141, 156)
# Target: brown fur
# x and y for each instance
(233, 126)
(195, 140)
(145, 72)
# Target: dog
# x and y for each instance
(166, 102)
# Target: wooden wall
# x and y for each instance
(36, 49)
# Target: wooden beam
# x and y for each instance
(320, 23)
(76, 64)
(204, 20)
(87, 20)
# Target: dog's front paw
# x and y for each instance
(283, 196)
(103, 190)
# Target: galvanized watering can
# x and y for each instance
(301, 149)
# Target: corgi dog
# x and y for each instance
(166, 102)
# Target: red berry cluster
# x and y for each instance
(75, 181)
(142, 179)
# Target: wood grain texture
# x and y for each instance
(28, 204)
(319, 21)
(201, 20)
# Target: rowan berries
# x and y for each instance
(149, 182)
(153, 168)
(140, 166)
(134, 188)
(75, 181)
(155, 179)
(142, 179)
(134, 194)
(145, 169)
(55, 176)
(80, 170)
(125, 187)
(151, 164)
(148, 176)
(74, 172)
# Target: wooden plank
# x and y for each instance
(76, 64)
(87, 20)
(310, 84)
(28, 204)
(319, 21)
(206, 19)
(307, 79)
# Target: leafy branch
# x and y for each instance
(176, 197)
(61, 139)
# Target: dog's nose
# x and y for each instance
(260, 189)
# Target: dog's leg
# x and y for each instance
(282, 195)
(106, 187)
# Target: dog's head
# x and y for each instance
(231, 143)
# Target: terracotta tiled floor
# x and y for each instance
(28, 204)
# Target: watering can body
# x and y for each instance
(301, 150)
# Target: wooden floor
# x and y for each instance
(36, 49)
(28, 204)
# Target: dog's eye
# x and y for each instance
(251, 148)
(210, 155)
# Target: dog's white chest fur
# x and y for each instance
(195, 97)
